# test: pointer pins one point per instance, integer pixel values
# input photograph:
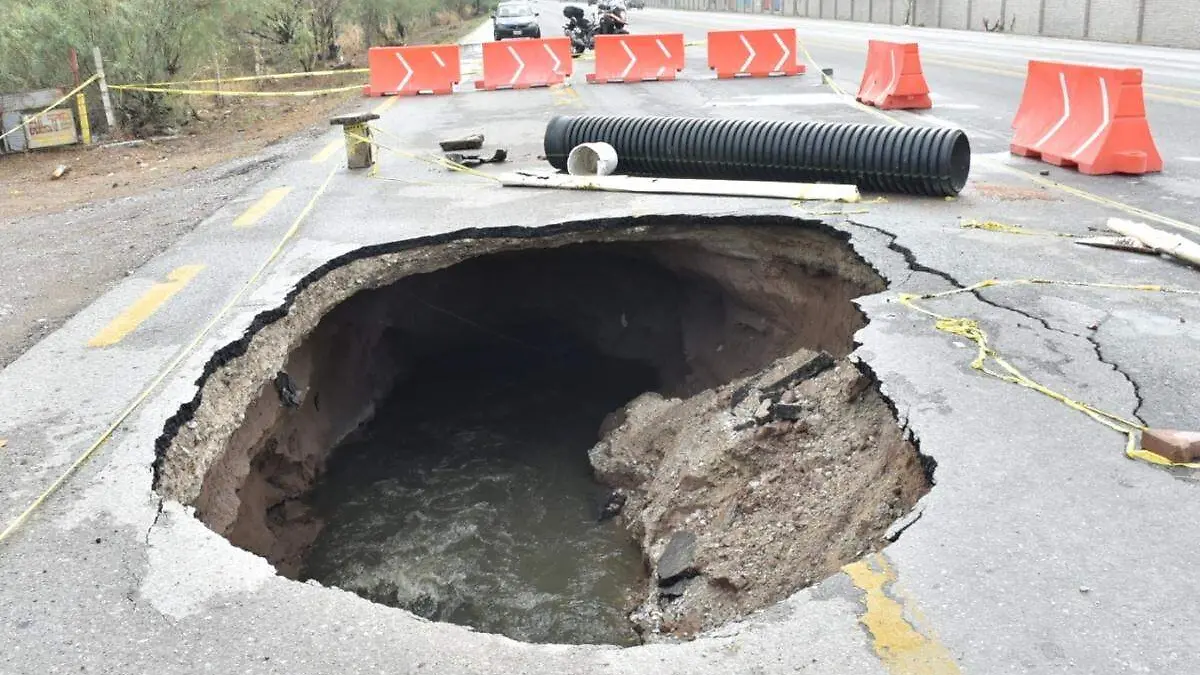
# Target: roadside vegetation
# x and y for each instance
(172, 40)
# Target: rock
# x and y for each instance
(60, 171)
(789, 396)
(612, 506)
(856, 387)
(675, 590)
(1177, 446)
(678, 559)
(289, 394)
(787, 411)
(764, 410)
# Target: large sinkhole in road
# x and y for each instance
(603, 433)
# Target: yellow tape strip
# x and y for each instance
(971, 330)
(215, 92)
(254, 78)
(183, 354)
(429, 159)
(842, 92)
(994, 226)
(52, 106)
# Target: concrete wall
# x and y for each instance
(1172, 23)
(1168, 23)
(1064, 18)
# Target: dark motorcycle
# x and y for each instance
(611, 21)
(581, 31)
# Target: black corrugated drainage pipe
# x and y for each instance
(932, 161)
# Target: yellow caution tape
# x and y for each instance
(222, 92)
(971, 330)
(427, 158)
(252, 78)
(993, 226)
(50, 107)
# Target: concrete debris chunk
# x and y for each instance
(60, 171)
(475, 159)
(764, 410)
(1167, 243)
(472, 142)
(789, 412)
(787, 372)
(1177, 446)
(678, 559)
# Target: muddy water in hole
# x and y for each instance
(470, 500)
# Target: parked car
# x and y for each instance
(515, 20)
(635, 4)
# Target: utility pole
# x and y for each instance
(108, 108)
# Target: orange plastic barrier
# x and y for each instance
(637, 58)
(753, 53)
(893, 79)
(406, 71)
(1085, 116)
(521, 64)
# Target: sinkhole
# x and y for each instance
(608, 432)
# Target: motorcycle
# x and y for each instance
(612, 20)
(582, 30)
(579, 29)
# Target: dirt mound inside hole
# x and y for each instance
(701, 304)
(745, 493)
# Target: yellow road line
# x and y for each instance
(170, 367)
(902, 648)
(383, 107)
(262, 207)
(564, 95)
(148, 304)
(326, 152)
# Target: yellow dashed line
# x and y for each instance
(902, 648)
(326, 152)
(383, 107)
(263, 206)
(148, 304)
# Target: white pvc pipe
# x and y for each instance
(592, 159)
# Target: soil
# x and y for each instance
(744, 494)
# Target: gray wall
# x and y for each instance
(1168, 23)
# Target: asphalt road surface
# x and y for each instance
(1042, 548)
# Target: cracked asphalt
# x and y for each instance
(1041, 549)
